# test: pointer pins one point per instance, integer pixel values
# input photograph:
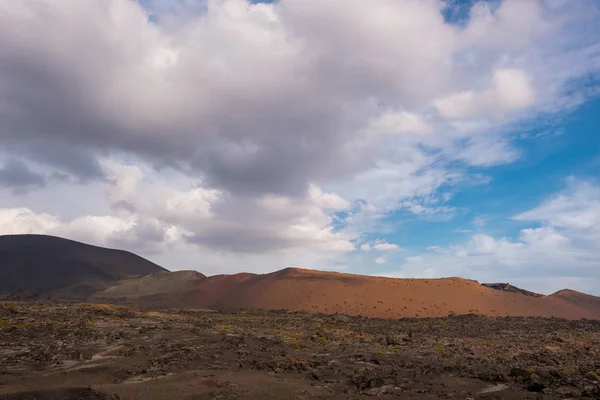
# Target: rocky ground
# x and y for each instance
(85, 351)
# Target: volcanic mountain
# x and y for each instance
(331, 292)
(64, 268)
(67, 269)
(578, 299)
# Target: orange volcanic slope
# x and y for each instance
(330, 292)
(581, 300)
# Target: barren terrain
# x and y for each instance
(332, 292)
(87, 351)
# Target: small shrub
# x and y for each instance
(293, 335)
(4, 323)
(26, 325)
(295, 345)
(322, 340)
(567, 372)
(594, 375)
(90, 324)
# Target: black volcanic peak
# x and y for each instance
(507, 287)
(46, 264)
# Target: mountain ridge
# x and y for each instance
(64, 269)
(507, 287)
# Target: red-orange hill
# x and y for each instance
(331, 292)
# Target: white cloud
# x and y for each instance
(577, 209)
(193, 206)
(487, 151)
(510, 89)
(399, 122)
(385, 246)
(328, 201)
(23, 220)
(155, 221)
(125, 181)
(380, 260)
(379, 245)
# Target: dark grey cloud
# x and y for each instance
(259, 111)
(256, 99)
(243, 239)
(15, 174)
(77, 161)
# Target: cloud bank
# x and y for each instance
(272, 134)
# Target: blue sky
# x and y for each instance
(396, 138)
(571, 147)
(567, 148)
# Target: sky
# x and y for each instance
(401, 138)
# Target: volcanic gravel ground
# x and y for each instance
(87, 351)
